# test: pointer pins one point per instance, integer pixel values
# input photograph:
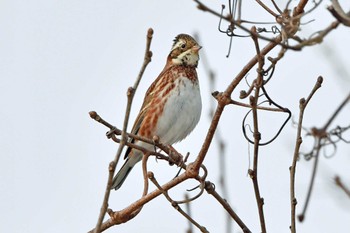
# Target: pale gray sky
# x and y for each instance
(61, 59)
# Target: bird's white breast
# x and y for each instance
(181, 113)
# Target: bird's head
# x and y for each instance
(184, 51)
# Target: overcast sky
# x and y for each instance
(61, 59)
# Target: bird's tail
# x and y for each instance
(124, 171)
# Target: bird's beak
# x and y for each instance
(196, 48)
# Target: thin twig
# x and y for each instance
(145, 173)
(257, 136)
(340, 184)
(302, 105)
(188, 210)
(320, 135)
(257, 107)
(210, 188)
(266, 8)
(301, 216)
(203, 7)
(176, 205)
(112, 166)
(339, 13)
(276, 6)
(336, 112)
(115, 131)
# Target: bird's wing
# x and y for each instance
(144, 108)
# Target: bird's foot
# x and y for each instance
(175, 157)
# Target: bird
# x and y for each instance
(172, 104)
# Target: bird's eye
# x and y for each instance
(183, 46)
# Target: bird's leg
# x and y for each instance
(155, 140)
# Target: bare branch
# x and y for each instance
(301, 216)
(176, 205)
(336, 112)
(210, 188)
(173, 158)
(321, 137)
(267, 8)
(253, 173)
(302, 105)
(339, 13)
(188, 209)
(130, 94)
(341, 185)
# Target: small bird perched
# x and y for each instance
(172, 105)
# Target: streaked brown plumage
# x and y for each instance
(172, 104)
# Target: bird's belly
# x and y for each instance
(181, 112)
